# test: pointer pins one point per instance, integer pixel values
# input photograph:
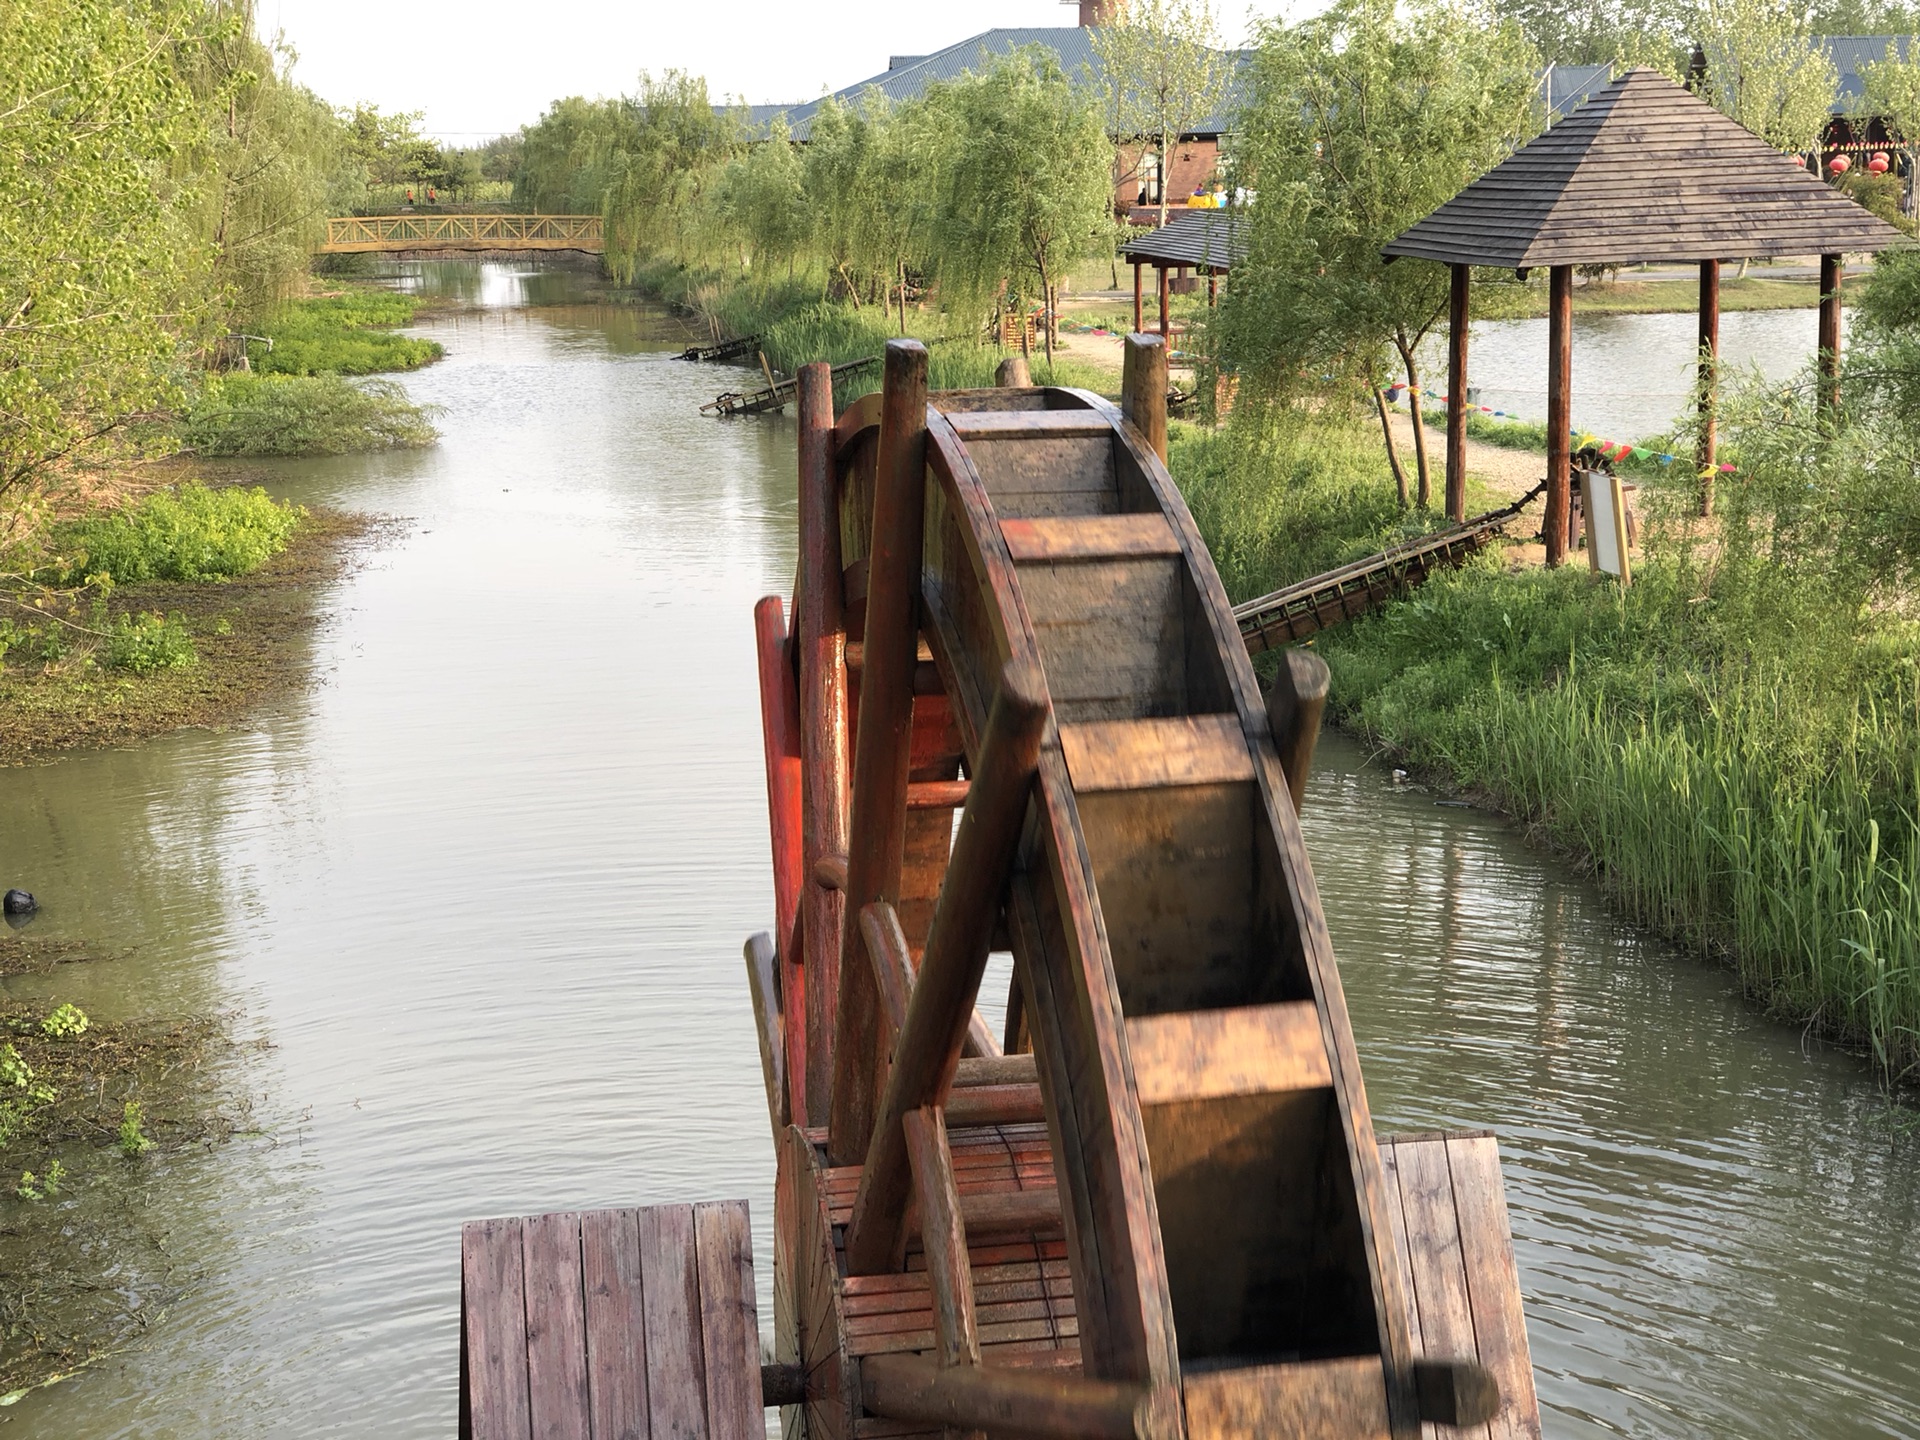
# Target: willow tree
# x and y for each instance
(101, 272)
(1764, 70)
(765, 208)
(1358, 123)
(1162, 72)
(1024, 187)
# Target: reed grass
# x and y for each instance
(1756, 800)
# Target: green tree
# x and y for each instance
(1764, 71)
(1162, 72)
(764, 205)
(1025, 184)
(663, 175)
(1360, 122)
(1594, 32)
(101, 271)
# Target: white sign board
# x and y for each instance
(1605, 513)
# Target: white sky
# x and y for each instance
(481, 67)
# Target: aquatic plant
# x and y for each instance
(189, 533)
(133, 1140)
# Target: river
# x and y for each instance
(478, 900)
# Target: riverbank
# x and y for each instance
(92, 1113)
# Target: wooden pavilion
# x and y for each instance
(1204, 241)
(1644, 170)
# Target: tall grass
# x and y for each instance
(1752, 799)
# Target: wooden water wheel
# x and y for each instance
(1161, 1211)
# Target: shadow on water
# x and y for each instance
(484, 888)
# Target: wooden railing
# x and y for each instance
(362, 234)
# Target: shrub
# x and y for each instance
(315, 415)
(146, 643)
(192, 533)
(343, 335)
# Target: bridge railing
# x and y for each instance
(354, 233)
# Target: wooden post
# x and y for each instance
(1709, 356)
(1559, 410)
(1458, 307)
(1830, 331)
(780, 726)
(877, 832)
(823, 698)
(1294, 706)
(1166, 325)
(1013, 374)
(1143, 389)
(1213, 288)
(1137, 283)
(928, 1052)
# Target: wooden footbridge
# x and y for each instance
(372, 234)
(1015, 712)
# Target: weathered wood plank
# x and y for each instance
(943, 1236)
(616, 1323)
(493, 1280)
(556, 1328)
(1493, 1283)
(1215, 1054)
(1063, 539)
(1142, 754)
(1028, 424)
(1112, 637)
(1437, 1264)
(729, 1322)
(676, 1379)
(1313, 1400)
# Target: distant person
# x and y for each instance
(430, 196)
(409, 195)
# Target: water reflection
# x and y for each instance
(1714, 1223)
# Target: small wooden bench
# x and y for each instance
(611, 1325)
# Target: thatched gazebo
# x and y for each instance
(1644, 170)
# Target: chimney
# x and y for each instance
(1100, 12)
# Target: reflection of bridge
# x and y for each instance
(366, 234)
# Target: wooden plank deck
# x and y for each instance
(611, 1325)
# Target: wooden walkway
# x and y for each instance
(775, 397)
(372, 234)
(1345, 593)
(724, 350)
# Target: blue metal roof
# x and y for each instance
(910, 75)
(1850, 52)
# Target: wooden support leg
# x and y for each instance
(1166, 324)
(942, 1005)
(1294, 707)
(884, 745)
(823, 700)
(1143, 389)
(1830, 331)
(1559, 410)
(1709, 355)
(1457, 322)
(1138, 321)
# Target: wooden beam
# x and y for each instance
(1830, 272)
(1018, 1403)
(1143, 385)
(1294, 706)
(1457, 324)
(928, 1052)
(943, 1237)
(892, 962)
(877, 832)
(768, 1025)
(1708, 382)
(1559, 410)
(780, 730)
(823, 738)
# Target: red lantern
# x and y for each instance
(1839, 165)
(1879, 164)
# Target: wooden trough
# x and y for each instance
(1154, 1207)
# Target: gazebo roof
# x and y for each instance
(1210, 238)
(1644, 170)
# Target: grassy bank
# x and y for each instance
(1747, 804)
(1731, 746)
(797, 327)
(189, 608)
(91, 1112)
